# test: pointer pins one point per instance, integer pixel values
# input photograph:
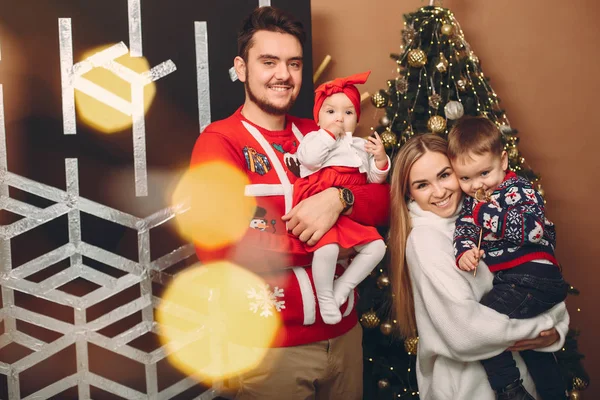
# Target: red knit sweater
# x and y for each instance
(266, 248)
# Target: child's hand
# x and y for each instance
(335, 128)
(374, 146)
(469, 260)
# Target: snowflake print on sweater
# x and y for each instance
(265, 300)
(514, 224)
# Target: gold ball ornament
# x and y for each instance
(513, 153)
(383, 281)
(436, 124)
(447, 29)
(370, 320)
(578, 383)
(389, 139)
(379, 99)
(575, 395)
(383, 384)
(454, 110)
(442, 63)
(386, 328)
(410, 345)
(417, 58)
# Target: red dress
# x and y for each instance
(346, 232)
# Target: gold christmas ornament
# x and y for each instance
(462, 84)
(473, 58)
(385, 121)
(442, 63)
(408, 34)
(402, 85)
(406, 135)
(417, 58)
(435, 100)
(578, 383)
(436, 124)
(513, 153)
(383, 384)
(389, 139)
(379, 99)
(383, 281)
(447, 29)
(386, 328)
(458, 43)
(454, 110)
(370, 320)
(575, 395)
(410, 345)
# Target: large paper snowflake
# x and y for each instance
(265, 300)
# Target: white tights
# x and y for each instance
(331, 295)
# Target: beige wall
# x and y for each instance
(543, 59)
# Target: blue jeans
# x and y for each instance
(526, 291)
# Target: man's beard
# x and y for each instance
(265, 105)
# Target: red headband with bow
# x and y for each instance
(345, 85)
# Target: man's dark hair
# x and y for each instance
(267, 19)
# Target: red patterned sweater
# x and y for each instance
(268, 159)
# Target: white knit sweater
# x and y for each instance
(455, 331)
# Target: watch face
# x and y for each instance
(348, 196)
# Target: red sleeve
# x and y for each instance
(371, 204)
(259, 251)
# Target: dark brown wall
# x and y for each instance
(543, 59)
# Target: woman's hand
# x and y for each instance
(545, 339)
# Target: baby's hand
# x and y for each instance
(374, 146)
(469, 260)
(335, 128)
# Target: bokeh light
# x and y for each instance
(212, 320)
(101, 116)
(219, 212)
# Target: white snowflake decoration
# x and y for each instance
(266, 300)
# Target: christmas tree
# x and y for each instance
(439, 80)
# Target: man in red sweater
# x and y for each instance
(309, 358)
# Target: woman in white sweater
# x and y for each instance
(433, 295)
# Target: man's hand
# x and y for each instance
(545, 339)
(470, 260)
(314, 216)
(374, 146)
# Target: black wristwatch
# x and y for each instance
(346, 197)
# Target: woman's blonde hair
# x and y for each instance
(403, 307)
